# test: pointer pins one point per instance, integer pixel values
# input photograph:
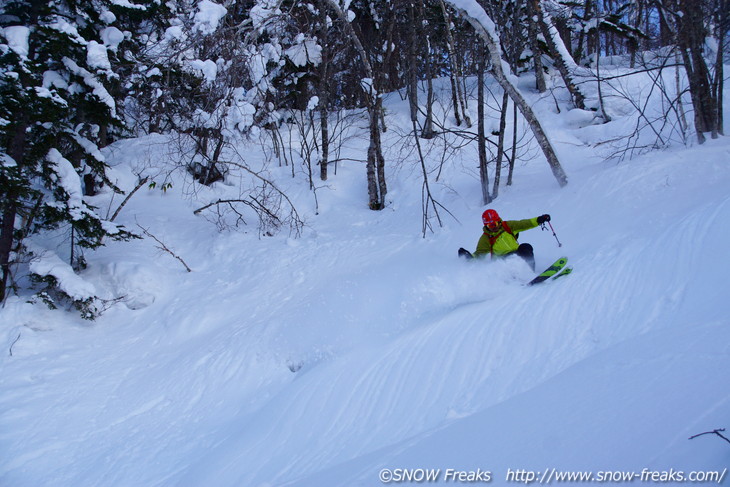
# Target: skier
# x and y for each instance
(500, 237)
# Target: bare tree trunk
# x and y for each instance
(428, 131)
(514, 145)
(587, 14)
(720, 81)
(540, 83)
(456, 74)
(455, 98)
(637, 23)
(375, 162)
(374, 197)
(324, 152)
(481, 138)
(602, 107)
(563, 60)
(323, 89)
(667, 34)
(500, 144)
(476, 16)
(678, 88)
(722, 26)
(691, 36)
(379, 159)
(412, 72)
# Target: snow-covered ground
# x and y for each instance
(361, 346)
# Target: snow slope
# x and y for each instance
(362, 346)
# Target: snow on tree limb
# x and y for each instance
(485, 28)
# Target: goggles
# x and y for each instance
(493, 225)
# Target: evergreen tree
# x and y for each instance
(56, 79)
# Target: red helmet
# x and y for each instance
(491, 219)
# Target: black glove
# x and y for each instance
(542, 219)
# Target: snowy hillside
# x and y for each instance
(361, 346)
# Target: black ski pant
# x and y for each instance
(526, 252)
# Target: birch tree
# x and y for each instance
(563, 60)
(485, 28)
(377, 187)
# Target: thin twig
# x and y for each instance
(163, 247)
(713, 432)
(217, 202)
(13, 344)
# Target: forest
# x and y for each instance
(79, 75)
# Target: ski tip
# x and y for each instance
(564, 272)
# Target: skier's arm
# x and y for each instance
(518, 226)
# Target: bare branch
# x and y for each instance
(10, 350)
(129, 196)
(484, 26)
(713, 432)
(163, 247)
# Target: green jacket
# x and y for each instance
(504, 243)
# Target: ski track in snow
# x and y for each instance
(319, 359)
(576, 318)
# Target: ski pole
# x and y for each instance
(554, 235)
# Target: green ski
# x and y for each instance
(564, 272)
(551, 271)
